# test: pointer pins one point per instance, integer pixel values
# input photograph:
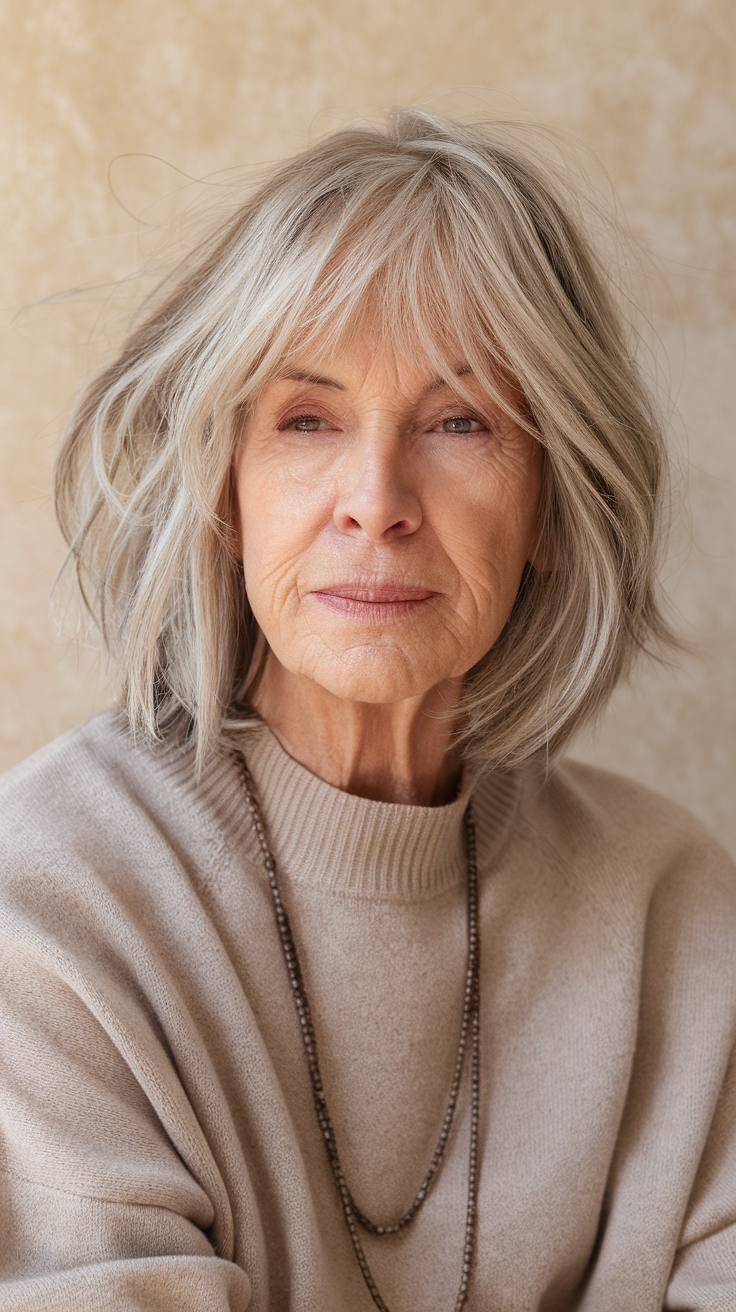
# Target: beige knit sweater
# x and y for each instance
(158, 1142)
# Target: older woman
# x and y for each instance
(325, 985)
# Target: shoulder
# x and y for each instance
(582, 803)
(74, 783)
(622, 845)
(101, 738)
(71, 805)
(96, 810)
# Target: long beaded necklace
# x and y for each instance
(354, 1216)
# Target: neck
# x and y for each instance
(399, 752)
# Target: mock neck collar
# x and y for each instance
(338, 843)
(350, 845)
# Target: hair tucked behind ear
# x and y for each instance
(467, 243)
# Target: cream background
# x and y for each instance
(648, 85)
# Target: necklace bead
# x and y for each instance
(470, 1026)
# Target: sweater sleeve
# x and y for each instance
(97, 1208)
(154, 1284)
(704, 1273)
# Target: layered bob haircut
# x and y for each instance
(466, 247)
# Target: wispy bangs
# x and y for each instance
(453, 244)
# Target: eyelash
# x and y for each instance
(296, 419)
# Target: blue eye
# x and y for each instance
(306, 423)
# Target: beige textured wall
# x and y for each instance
(206, 85)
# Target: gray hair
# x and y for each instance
(467, 246)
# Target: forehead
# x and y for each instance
(384, 342)
(363, 361)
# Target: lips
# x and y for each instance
(373, 603)
(376, 594)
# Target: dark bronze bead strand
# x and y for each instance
(470, 1023)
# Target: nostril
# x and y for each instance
(382, 509)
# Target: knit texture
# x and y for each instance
(159, 1149)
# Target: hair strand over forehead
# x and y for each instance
(462, 245)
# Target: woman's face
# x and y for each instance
(384, 522)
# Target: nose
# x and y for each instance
(378, 497)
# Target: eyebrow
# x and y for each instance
(319, 380)
(442, 382)
(299, 376)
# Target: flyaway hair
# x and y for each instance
(463, 245)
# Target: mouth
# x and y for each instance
(373, 603)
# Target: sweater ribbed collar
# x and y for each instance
(336, 842)
(350, 845)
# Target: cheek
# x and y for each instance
(280, 514)
(488, 528)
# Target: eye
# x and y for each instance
(460, 424)
(302, 423)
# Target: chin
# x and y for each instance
(378, 679)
